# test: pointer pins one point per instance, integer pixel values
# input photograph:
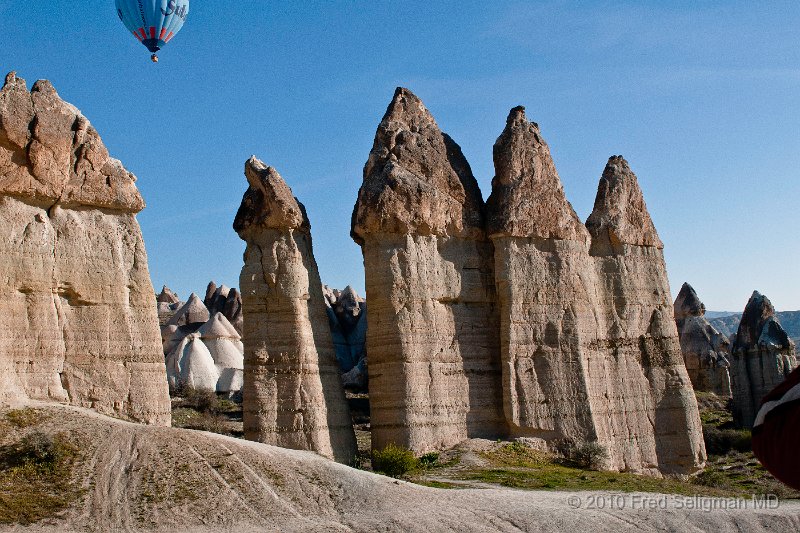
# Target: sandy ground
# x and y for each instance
(141, 478)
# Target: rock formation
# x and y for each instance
(193, 311)
(433, 331)
(78, 321)
(227, 301)
(293, 396)
(167, 303)
(763, 356)
(347, 316)
(706, 351)
(589, 349)
(646, 394)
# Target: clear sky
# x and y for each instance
(702, 98)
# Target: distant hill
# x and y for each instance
(728, 323)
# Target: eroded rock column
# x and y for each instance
(293, 396)
(546, 288)
(641, 396)
(432, 338)
(79, 324)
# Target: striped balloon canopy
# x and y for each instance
(153, 22)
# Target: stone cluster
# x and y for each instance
(513, 318)
(78, 322)
(347, 317)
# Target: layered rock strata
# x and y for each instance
(79, 325)
(763, 356)
(647, 394)
(433, 331)
(706, 351)
(293, 396)
(589, 349)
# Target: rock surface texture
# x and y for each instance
(347, 316)
(293, 396)
(432, 340)
(79, 325)
(645, 391)
(706, 351)
(515, 318)
(589, 349)
(763, 356)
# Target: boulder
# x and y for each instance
(433, 342)
(706, 351)
(78, 322)
(763, 356)
(293, 396)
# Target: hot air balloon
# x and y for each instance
(153, 22)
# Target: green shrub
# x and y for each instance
(23, 418)
(590, 455)
(429, 460)
(393, 460)
(722, 441)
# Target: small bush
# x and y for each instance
(429, 460)
(711, 478)
(202, 400)
(393, 460)
(723, 441)
(590, 455)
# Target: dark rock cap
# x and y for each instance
(620, 214)
(688, 303)
(416, 180)
(268, 202)
(759, 325)
(527, 197)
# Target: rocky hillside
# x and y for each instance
(119, 476)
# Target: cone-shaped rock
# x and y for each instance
(433, 334)
(545, 286)
(763, 357)
(166, 296)
(706, 351)
(293, 396)
(647, 399)
(193, 311)
(78, 320)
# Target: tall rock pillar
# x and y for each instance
(546, 290)
(647, 400)
(293, 396)
(432, 339)
(78, 321)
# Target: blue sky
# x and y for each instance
(702, 98)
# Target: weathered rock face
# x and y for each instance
(226, 301)
(575, 366)
(293, 396)
(646, 396)
(433, 332)
(706, 351)
(763, 356)
(78, 321)
(545, 283)
(347, 316)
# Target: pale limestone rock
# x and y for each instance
(706, 351)
(78, 320)
(646, 407)
(194, 311)
(293, 396)
(432, 337)
(763, 356)
(190, 364)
